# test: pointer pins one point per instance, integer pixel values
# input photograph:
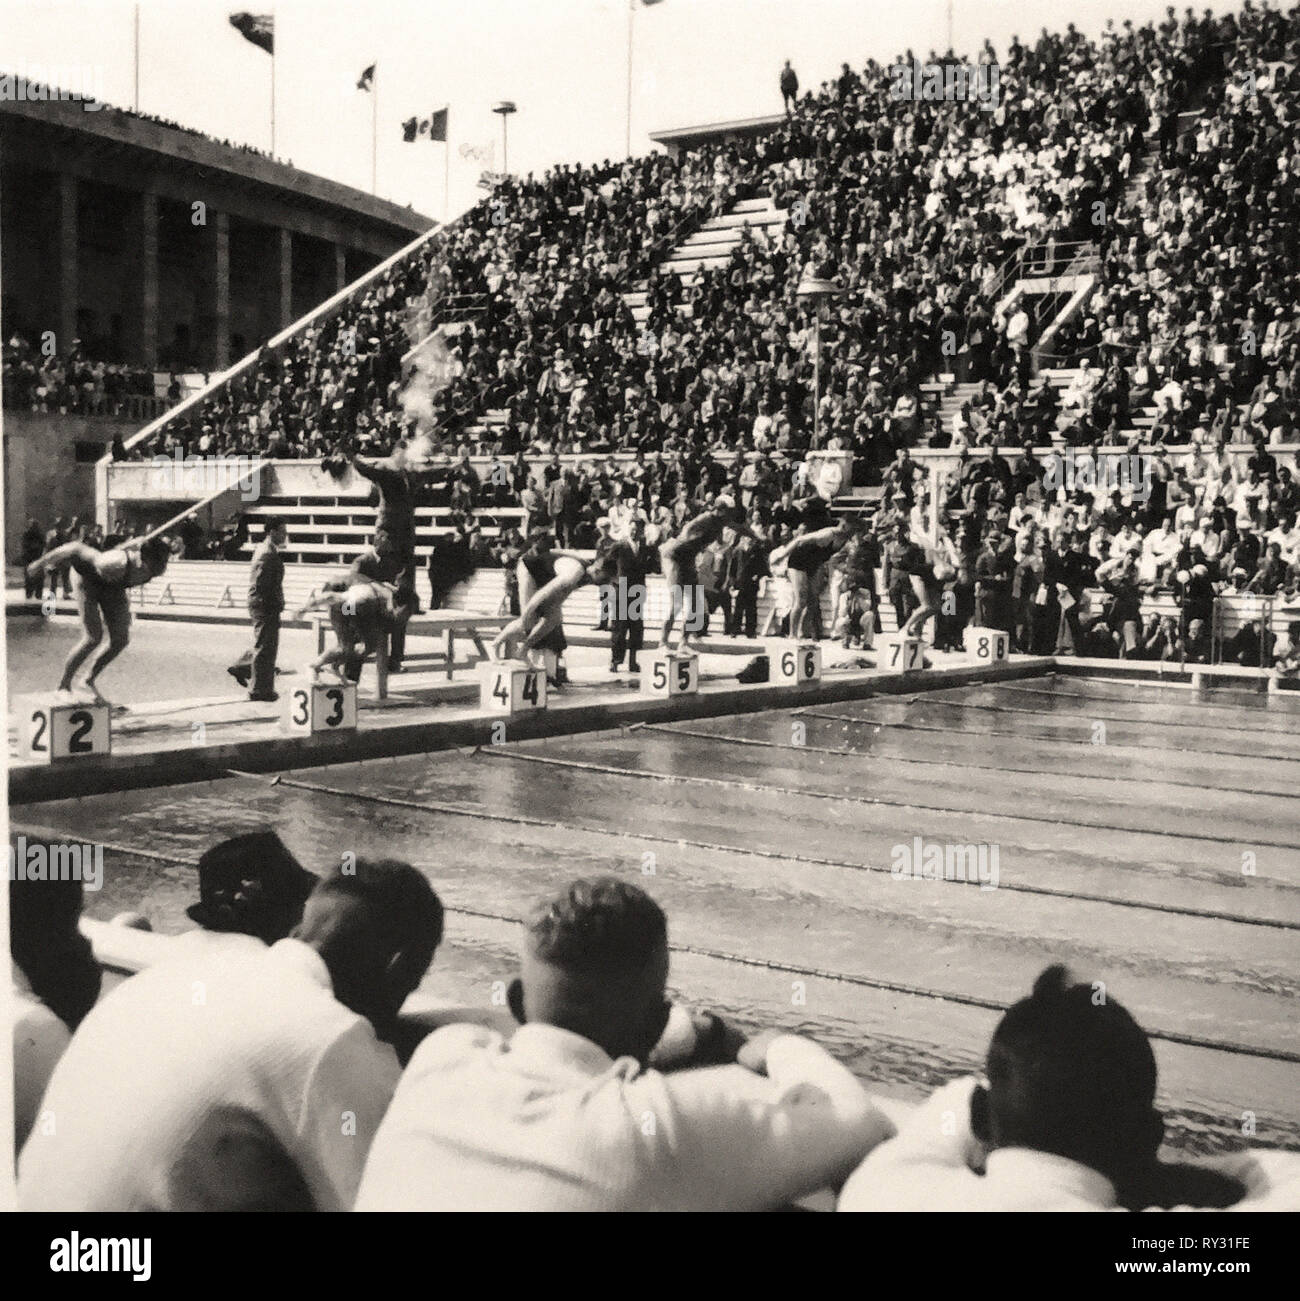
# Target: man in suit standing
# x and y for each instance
(633, 560)
(265, 605)
(789, 87)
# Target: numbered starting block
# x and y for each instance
(314, 707)
(899, 654)
(797, 662)
(668, 674)
(50, 728)
(988, 645)
(511, 687)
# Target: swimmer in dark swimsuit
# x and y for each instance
(361, 611)
(678, 558)
(102, 580)
(544, 613)
(804, 557)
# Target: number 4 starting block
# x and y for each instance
(988, 645)
(899, 654)
(47, 728)
(511, 687)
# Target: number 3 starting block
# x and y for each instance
(321, 707)
(988, 645)
(899, 654)
(43, 729)
(798, 662)
(671, 675)
(511, 687)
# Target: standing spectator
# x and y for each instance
(743, 576)
(33, 546)
(789, 87)
(561, 506)
(245, 1079)
(633, 559)
(265, 605)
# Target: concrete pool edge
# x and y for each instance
(128, 770)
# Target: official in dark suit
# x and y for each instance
(265, 605)
(633, 559)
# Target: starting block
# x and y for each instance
(988, 645)
(797, 662)
(46, 728)
(321, 707)
(899, 654)
(670, 674)
(511, 687)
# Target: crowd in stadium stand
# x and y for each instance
(168, 1101)
(912, 206)
(71, 383)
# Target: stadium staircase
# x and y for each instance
(711, 247)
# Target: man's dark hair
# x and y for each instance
(402, 910)
(271, 523)
(599, 925)
(155, 550)
(1072, 1073)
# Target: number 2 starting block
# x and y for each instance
(794, 662)
(988, 645)
(670, 674)
(511, 687)
(899, 654)
(315, 707)
(49, 728)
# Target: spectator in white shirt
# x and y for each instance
(565, 1115)
(1066, 1121)
(241, 1079)
(55, 981)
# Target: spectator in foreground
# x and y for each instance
(567, 1116)
(55, 983)
(1065, 1121)
(240, 1080)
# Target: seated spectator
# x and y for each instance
(1064, 1121)
(566, 1115)
(55, 983)
(241, 1079)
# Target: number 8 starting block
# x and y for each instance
(511, 687)
(899, 654)
(43, 729)
(988, 645)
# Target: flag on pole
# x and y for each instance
(367, 78)
(258, 28)
(435, 127)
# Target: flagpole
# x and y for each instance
(137, 57)
(374, 131)
(273, 98)
(627, 119)
(446, 171)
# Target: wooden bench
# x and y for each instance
(438, 623)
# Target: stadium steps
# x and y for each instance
(711, 247)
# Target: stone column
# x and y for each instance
(69, 278)
(221, 291)
(286, 278)
(149, 279)
(340, 268)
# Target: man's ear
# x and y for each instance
(515, 1000)
(980, 1121)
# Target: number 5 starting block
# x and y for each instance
(899, 654)
(670, 674)
(48, 728)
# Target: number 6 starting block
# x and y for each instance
(511, 687)
(670, 674)
(899, 654)
(47, 728)
(988, 645)
(797, 662)
(317, 707)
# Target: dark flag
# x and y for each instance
(438, 125)
(258, 28)
(434, 127)
(367, 79)
(409, 129)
